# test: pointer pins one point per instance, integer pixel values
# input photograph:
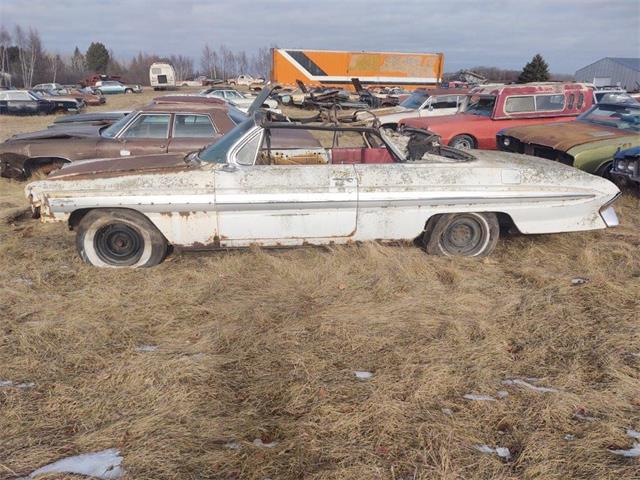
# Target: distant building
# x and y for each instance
(624, 72)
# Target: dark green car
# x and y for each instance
(588, 143)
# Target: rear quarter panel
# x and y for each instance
(591, 156)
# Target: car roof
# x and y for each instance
(191, 99)
(183, 107)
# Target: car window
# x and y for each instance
(572, 99)
(3, 96)
(247, 153)
(19, 96)
(193, 126)
(149, 126)
(445, 101)
(546, 103)
(520, 104)
(580, 101)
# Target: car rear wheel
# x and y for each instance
(462, 142)
(462, 234)
(119, 238)
(128, 90)
(99, 92)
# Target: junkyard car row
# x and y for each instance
(194, 172)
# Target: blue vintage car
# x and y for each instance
(113, 86)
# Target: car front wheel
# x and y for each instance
(128, 90)
(462, 142)
(462, 234)
(119, 238)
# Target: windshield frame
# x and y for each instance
(584, 117)
(227, 143)
(425, 98)
(122, 123)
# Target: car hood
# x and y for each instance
(563, 136)
(108, 167)
(423, 122)
(63, 131)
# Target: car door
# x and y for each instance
(192, 132)
(283, 204)
(21, 103)
(147, 134)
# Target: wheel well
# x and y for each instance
(76, 217)
(36, 162)
(504, 220)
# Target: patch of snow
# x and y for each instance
(633, 433)
(502, 394)
(447, 411)
(259, 443)
(9, 383)
(523, 383)
(362, 375)
(586, 418)
(579, 281)
(232, 445)
(502, 452)
(147, 348)
(632, 452)
(105, 465)
(568, 437)
(480, 398)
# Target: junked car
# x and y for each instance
(626, 167)
(589, 143)
(29, 102)
(104, 87)
(286, 184)
(156, 128)
(489, 109)
(235, 98)
(421, 103)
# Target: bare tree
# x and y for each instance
(182, 65)
(209, 61)
(261, 63)
(5, 43)
(226, 61)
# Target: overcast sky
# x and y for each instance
(505, 33)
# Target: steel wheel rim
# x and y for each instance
(118, 244)
(466, 235)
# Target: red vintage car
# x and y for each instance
(489, 109)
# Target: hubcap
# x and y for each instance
(118, 244)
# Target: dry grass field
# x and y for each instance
(263, 345)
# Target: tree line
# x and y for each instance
(24, 58)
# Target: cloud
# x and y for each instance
(568, 33)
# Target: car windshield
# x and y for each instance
(113, 129)
(36, 95)
(233, 94)
(614, 116)
(414, 100)
(481, 105)
(217, 152)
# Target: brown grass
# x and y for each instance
(263, 344)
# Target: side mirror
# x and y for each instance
(229, 168)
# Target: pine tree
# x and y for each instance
(97, 57)
(536, 70)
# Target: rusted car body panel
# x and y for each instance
(590, 143)
(201, 204)
(482, 124)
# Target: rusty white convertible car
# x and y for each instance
(277, 183)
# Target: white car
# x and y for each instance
(284, 183)
(235, 98)
(245, 80)
(421, 103)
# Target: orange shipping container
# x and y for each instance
(336, 69)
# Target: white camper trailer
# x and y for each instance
(162, 76)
